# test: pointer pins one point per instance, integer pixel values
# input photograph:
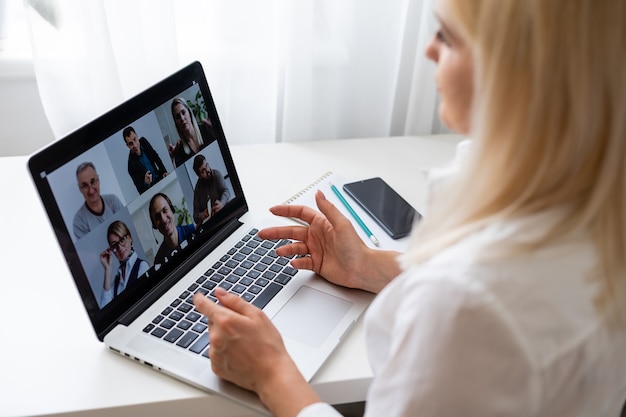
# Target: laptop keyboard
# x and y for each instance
(251, 269)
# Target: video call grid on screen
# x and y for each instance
(110, 158)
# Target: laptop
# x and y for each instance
(147, 206)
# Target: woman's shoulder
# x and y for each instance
(542, 294)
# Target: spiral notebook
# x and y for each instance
(306, 197)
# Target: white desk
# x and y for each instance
(51, 361)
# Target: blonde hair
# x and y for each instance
(184, 139)
(549, 128)
(119, 229)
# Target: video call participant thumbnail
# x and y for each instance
(144, 164)
(193, 135)
(163, 219)
(131, 267)
(97, 208)
(210, 189)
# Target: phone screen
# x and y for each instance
(392, 212)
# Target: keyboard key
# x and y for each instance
(159, 332)
(209, 285)
(157, 319)
(253, 274)
(268, 275)
(282, 261)
(199, 327)
(167, 323)
(184, 324)
(148, 328)
(173, 335)
(266, 296)
(238, 288)
(290, 270)
(217, 278)
(282, 279)
(255, 289)
(201, 343)
(187, 339)
(185, 308)
(167, 311)
(246, 281)
(232, 278)
(247, 296)
(193, 316)
(203, 291)
(176, 315)
(224, 270)
(262, 282)
(268, 244)
(282, 243)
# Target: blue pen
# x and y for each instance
(355, 216)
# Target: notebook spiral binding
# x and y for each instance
(308, 187)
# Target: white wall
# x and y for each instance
(23, 124)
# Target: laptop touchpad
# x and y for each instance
(310, 316)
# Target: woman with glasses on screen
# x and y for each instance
(130, 268)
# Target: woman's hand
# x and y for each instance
(331, 247)
(106, 259)
(247, 350)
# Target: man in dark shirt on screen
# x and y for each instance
(210, 193)
(144, 164)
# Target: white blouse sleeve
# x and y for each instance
(451, 352)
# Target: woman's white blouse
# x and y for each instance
(463, 335)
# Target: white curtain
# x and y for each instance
(279, 70)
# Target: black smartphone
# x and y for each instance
(392, 212)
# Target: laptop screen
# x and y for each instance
(139, 194)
